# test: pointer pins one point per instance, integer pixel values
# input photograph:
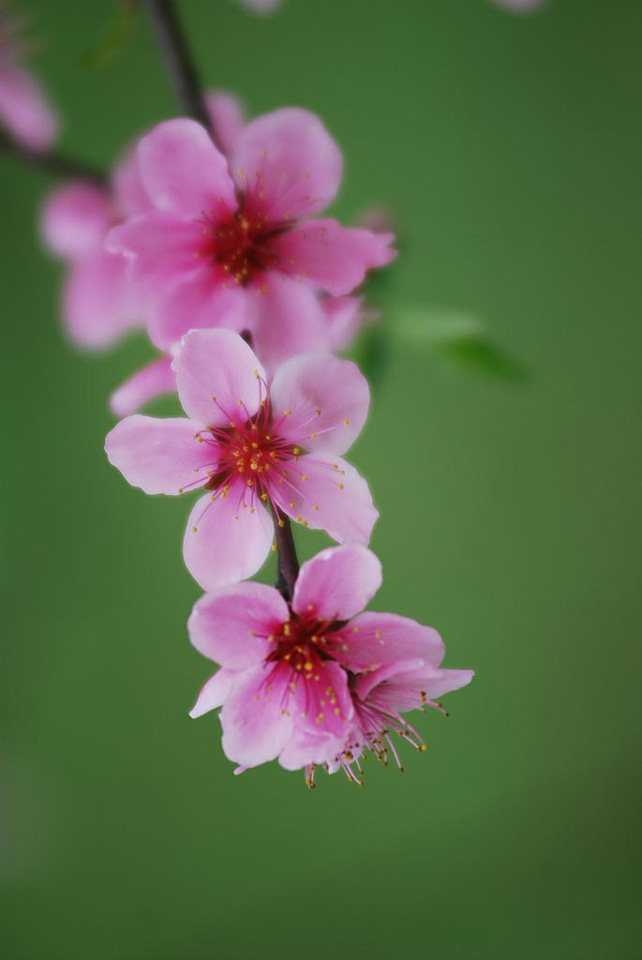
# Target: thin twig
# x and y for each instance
(178, 60)
(52, 162)
(288, 564)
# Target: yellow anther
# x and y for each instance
(340, 486)
(313, 436)
(213, 399)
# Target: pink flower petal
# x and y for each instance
(25, 110)
(162, 247)
(332, 497)
(328, 398)
(98, 302)
(330, 256)
(285, 319)
(338, 583)
(202, 302)
(148, 383)
(306, 747)
(231, 625)
(159, 456)
(408, 684)
(230, 543)
(345, 318)
(321, 700)
(213, 693)
(182, 170)
(404, 671)
(373, 639)
(130, 196)
(290, 157)
(256, 725)
(227, 117)
(219, 378)
(75, 218)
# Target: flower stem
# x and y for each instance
(288, 563)
(51, 162)
(178, 60)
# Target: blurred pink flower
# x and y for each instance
(25, 109)
(306, 681)
(98, 302)
(345, 317)
(260, 6)
(232, 247)
(519, 6)
(249, 446)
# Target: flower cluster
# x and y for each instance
(210, 238)
(227, 254)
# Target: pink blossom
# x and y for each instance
(345, 316)
(99, 304)
(25, 109)
(379, 696)
(251, 446)
(233, 247)
(310, 681)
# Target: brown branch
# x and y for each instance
(288, 563)
(178, 60)
(52, 162)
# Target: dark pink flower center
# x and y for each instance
(250, 451)
(303, 644)
(242, 242)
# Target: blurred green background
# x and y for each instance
(509, 151)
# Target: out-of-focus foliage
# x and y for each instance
(113, 40)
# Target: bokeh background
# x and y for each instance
(508, 149)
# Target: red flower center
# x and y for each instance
(242, 242)
(250, 450)
(303, 644)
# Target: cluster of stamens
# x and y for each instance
(376, 729)
(241, 242)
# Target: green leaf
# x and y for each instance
(110, 45)
(461, 337)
